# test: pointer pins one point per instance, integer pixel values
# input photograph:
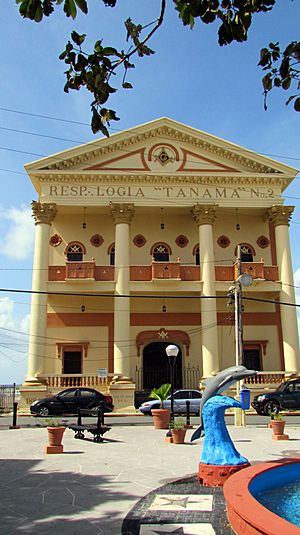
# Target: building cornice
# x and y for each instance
(90, 155)
(238, 179)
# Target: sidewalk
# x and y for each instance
(122, 486)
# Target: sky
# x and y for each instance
(189, 79)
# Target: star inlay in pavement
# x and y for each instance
(176, 501)
(178, 531)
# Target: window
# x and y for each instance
(70, 394)
(161, 253)
(183, 394)
(72, 362)
(111, 254)
(87, 394)
(196, 253)
(252, 359)
(75, 252)
(247, 252)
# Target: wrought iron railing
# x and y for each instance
(7, 397)
(148, 379)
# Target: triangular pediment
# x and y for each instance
(162, 147)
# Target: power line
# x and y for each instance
(143, 296)
(40, 135)
(44, 116)
(112, 128)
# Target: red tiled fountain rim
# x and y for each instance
(246, 515)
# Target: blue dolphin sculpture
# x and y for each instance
(215, 385)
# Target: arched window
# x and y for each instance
(196, 252)
(75, 251)
(161, 252)
(247, 252)
(111, 253)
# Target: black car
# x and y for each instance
(70, 400)
(286, 397)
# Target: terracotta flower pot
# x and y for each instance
(178, 435)
(55, 435)
(278, 427)
(161, 418)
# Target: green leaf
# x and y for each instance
(82, 6)
(161, 393)
(265, 57)
(297, 104)
(286, 83)
(267, 82)
(290, 99)
(70, 8)
(109, 51)
(78, 39)
(127, 85)
(38, 14)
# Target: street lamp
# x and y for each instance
(172, 352)
(243, 279)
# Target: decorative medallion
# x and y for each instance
(163, 157)
(96, 240)
(263, 242)
(139, 240)
(223, 241)
(163, 154)
(55, 240)
(181, 240)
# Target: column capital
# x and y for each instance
(204, 214)
(280, 215)
(122, 213)
(43, 212)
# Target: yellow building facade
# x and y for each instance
(136, 246)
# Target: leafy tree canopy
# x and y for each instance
(94, 69)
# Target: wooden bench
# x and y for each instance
(97, 430)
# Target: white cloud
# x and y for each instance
(13, 343)
(297, 294)
(18, 239)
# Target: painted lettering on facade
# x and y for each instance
(152, 192)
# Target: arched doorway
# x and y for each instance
(156, 367)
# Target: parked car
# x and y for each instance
(286, 397)
(180, 398)
(70, 400)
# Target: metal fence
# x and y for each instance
(7, 397)
(148, 379)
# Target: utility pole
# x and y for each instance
(239, 414)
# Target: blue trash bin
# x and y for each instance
(245, 398)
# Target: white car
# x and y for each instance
(180, 398)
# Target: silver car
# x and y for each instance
(180, 398)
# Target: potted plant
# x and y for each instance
(277, 423)
(178, 430)
(161, 416)
(55, 429)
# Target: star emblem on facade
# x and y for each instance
(162, 334)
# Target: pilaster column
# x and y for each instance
(280, 216)
(122, 215)
(43, 214)
(204, 216)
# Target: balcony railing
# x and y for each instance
(159, 271)
(81, 271)
(258, 270)
(191, 378)
(76, 379)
